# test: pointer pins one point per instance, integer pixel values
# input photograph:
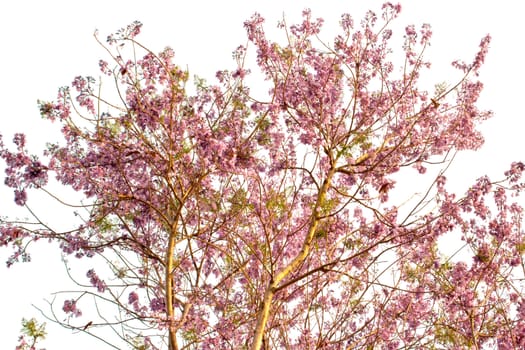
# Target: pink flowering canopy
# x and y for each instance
(213, 218)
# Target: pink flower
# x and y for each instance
(70, 307)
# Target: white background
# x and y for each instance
(44, 44)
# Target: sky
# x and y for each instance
(45, 44)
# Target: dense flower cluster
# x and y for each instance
(271, 223)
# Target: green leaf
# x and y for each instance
(34, 329)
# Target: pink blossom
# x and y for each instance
(70, 307)
(231, 220)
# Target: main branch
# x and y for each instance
(169, 289)
(264, 312)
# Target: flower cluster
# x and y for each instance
(70, 307)
(96, 281)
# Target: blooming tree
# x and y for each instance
(214, 218)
